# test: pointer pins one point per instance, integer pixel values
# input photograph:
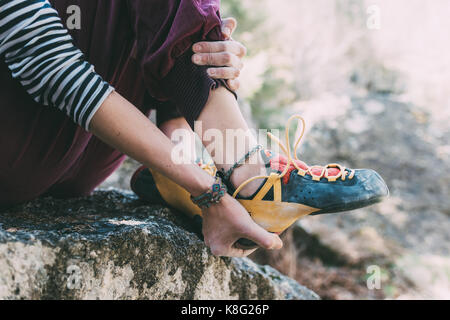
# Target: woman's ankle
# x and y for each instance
(251, 188)
(246, 172)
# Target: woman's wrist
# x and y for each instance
(200, 182)
(212, 196)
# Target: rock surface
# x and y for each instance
(112, 246)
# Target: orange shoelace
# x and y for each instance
(332, 172)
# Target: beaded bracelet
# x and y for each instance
(210, 197)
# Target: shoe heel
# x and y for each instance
(175, 195)
(274, 216)
(143, 185)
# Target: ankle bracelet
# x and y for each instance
(226, 175)
(218, 191)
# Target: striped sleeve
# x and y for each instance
(40, 54)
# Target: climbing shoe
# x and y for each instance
(290, 190)
(153, 187)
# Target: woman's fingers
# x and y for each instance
(227, 222)
(253, 232)
(225, 55)
(233, 47)
(234, 84)
(263, 238)
(239, 253)
(228, 27)
(219, 59)
(222, 251)
(224, 73)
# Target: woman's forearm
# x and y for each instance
(122, 126)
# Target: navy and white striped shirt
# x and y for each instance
(40, 54)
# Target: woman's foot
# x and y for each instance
(288, 191)
(327, 189)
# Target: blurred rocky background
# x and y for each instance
(371, 79)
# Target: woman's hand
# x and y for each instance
(227, 222)
(125, 128)
(226, 55)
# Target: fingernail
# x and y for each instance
(276, 244)
(227, 31)
(198, 47)
(197, 58)
(280, 244)
(211, 72)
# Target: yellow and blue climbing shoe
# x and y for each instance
(290, 190)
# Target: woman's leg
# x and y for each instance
(221, 116)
